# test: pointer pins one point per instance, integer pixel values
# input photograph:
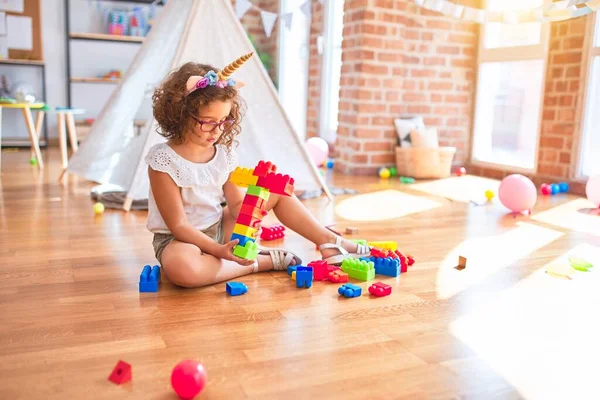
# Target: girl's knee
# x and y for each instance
(180, 272)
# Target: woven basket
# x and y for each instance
(424, 163)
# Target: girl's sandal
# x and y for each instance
(361, 251)
(281, 258)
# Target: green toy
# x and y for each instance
(406, 180)
(580, 264)
(33, 161)
(259, 192)
(247, 252)
(359, 269)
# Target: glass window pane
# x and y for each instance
(591, 135)
(508, 112)
(597, 40)
(499, 35)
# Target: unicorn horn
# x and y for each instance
(226, 72)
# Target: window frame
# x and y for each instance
(507, 54)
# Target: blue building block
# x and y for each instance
(304, 276)
(149, 279)
(291, 269)
(350, 290)
(243, 239)
(386, 266)
(235, 288)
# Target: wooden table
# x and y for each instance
(33, 129)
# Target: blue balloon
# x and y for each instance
(564, 187)
(555, 188)
(330, 163)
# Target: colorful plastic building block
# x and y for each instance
(235, 288)
(291, 268)
(149, 279)
(249, 220)
(244, 230)
(294, 275)
(254, 212)
(243, 177)
(304, 276)
(386, 266)
(359, 269)
(359, 241)
(338, 277)
(254, 201)
(259, 192)
(277, 183)
(248, 252)
(121, 373)
(272, 232)
(242, 239)
(380, 289)
(263, 168)
(411, 260)
(386, 245)
(350, 290)
(321, 272)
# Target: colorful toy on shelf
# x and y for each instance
(149, 279)
(380, 289)
(349, 290)
(384, 173)
(235, 288)
(386, 245)
(273, 232)
(188, 379)
(320, 270)
(304, 277)
(261, 182)
(359, 269)
(460, 171)
(338, 276)
(121, 373)
(113, 74)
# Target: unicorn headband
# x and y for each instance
(221, 79)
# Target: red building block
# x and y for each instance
(272, 232)
(380, 289)
(252, 211)
(320, 270)
(255, 201)
(263, 168)
(332, 268)
(277, 183)
(338, 276)
(411, 260)
(248, 220)
(121, 373)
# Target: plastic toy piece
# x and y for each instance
(359, 269)
(379, 253)
(291, 268)
(359, 241)
(249, 220)
(254, 201)
(385, 245)
(380, 289)
(248, 252)
(293, 275)
(242, 239)
(263, 168)
(338, 277)
(349, 290)
(254, 212)
(462, 263)
(244, 230)
(277, 183)
(243, 177)
(321, 272)
(386, 266)
(273, 232)
(259, 192)
(580, 264)
(188, 379)
(121, 373)
(149, 279)
(304, 276)
(235, 288)
(410, 260)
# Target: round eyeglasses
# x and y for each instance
(209, 126)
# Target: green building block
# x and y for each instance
(359, 241)
(247, 252)
(259, 192)
(359, 269)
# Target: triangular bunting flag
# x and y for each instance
(242, 7)
(268, 20)
(287, 19)
(306, 8)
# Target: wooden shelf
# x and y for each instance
(21, 62)
(94, 80)
(138, 123)
(106, 37)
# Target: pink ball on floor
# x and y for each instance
(188, 379)
(592, 189)
(517, 193)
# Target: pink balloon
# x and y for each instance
(318, 149)
(517, 193)
(592, 189)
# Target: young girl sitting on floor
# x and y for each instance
(199, 111)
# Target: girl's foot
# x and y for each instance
(338, 249)
(277, 260)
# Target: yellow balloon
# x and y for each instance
(98, 208)
(489, 195)
(384, 173)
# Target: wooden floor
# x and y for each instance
(500, 329)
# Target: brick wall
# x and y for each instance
(314, 71)
(399, 59)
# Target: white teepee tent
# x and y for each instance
(204, 31)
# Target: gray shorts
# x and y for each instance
(162, 240)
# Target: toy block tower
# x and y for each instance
(261, 182)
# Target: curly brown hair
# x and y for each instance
(173, 109)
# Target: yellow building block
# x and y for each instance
(243, 177)
(244, 230)
(385, 245)
(294, 275)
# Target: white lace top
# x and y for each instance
(201, 185)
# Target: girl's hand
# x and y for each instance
(225, 251)
(258, 230)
